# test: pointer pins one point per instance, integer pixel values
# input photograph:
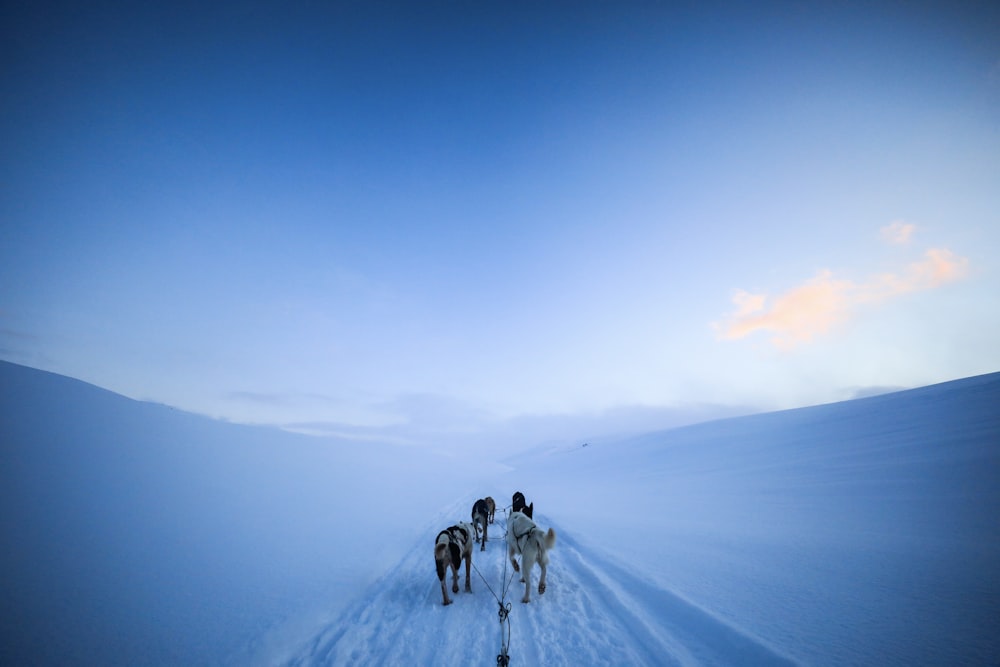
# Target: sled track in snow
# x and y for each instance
(593, 613)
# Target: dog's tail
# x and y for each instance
(550, 539)
(441, 559)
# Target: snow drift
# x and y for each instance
(861, 532)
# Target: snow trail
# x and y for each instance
(594, 612)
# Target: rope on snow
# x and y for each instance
(503, 658)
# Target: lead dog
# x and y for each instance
(481, 519)
(517, 504)
(526, 538)
(491, 506)
(450, 547)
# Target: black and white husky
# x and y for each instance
(527, 539)
(453, 545)
(481, 521)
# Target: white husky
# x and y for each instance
(527, 539)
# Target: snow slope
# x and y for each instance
(862, 532)
(138, 534)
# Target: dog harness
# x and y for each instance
(517, 538)
(451, 533)
(453, 541)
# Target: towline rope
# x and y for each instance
(503, 658)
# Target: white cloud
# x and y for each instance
(898, 232)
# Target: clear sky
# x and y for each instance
(380, 216)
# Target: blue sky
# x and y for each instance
(381, 217)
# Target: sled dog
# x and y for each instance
(453, 545)
(518, 505)
(480, 521)
(527, 539)
(491, 506)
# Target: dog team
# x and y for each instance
(524, 537)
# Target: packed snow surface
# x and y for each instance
(862, 532)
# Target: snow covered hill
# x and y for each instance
(138, 534)
(862, 532)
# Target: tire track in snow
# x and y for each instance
(593, 613)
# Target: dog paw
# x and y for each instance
(541, 588)
(517, 568)
(447, 602)
(525, 600)
(454, 588)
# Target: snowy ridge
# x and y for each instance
(593, 613)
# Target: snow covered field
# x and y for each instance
(863, 533)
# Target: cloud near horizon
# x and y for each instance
(824, 301)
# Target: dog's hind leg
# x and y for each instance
(543, 562)
(442, 576)
(468, 566)
(486, 530)
(440, 554)
(444, 594)
(513, 561)
(528, 561)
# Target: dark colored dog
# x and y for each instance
(492, 506)
(453, 545)
(480, 520)
(518, 505)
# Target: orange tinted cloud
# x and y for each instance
(816, 306)
(794, 317)
(938, 267)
